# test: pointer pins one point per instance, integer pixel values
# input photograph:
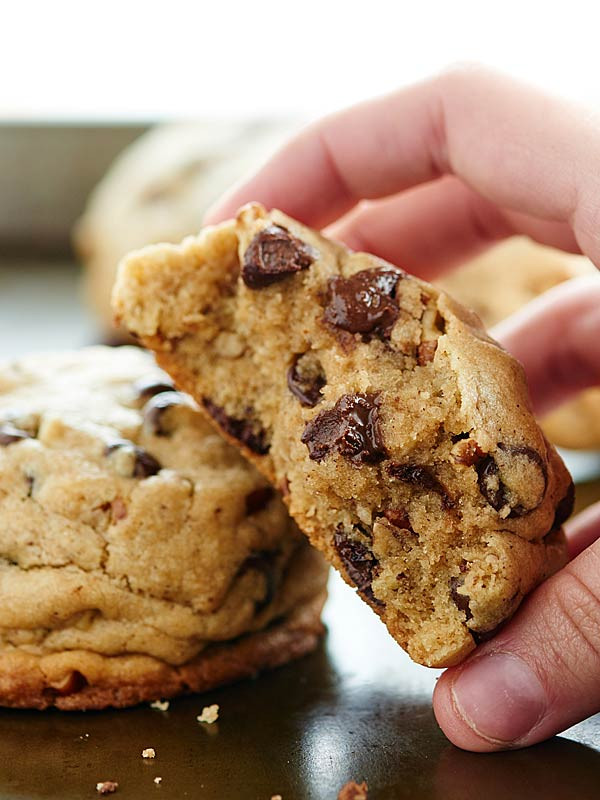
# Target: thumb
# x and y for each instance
(538, 676)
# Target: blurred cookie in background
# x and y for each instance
(505, 278)
(158, 189)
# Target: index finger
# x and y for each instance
(516, 146)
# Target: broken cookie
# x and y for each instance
(399, 433)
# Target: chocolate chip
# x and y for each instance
(490, 485)
(420, 476)
(461, 601)
(263, 561)
(494, 488)
(258, 499)
(359, 562)
(272, 255)
(399, 518)
(9, 435)
(305, 379)
(156, 407)
(351, 428)
(426, 352)
(150, 385)
(565, 508)
(365, 302)
(243, 430)
(458, 437)
(144, 464)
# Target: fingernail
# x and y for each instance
(499, 697)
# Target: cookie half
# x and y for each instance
(399, 433)
(140, 555)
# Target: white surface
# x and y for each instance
(138, 59)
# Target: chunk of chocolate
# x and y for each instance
(565, 508)
(258, 499)
(150, 385)
(350, 428)
(144, 464)
(154, 410)
(421, 477)
(9, 434)
(398, 518)
(272, 255)
(461, 601)
(305, 379)
(365, 302)
(359, 562)
(494, 488)
(246, 431)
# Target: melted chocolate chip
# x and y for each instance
(9, 435)
(258, 499)
(243, 430)
(305, 379)
(144, 465)
(565, 508)
(365, 302)
(155, 408)
(359, 562)
(272, 255)
(350, 428)
(461, 601)
(399, 518)
(420, 476)
(492, 486)
(263, 561)
(149, 386)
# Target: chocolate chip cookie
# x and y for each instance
(140, 555)
(399, 433)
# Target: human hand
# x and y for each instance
(447, 167)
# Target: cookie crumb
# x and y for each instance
(107, 787)
(354, 791)
(209, 714)
(149, 752)
(158, 780)
(160, 705)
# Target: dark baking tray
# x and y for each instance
(355, 709)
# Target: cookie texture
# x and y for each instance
(140, 555)
(399, 433)
(500, 282)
